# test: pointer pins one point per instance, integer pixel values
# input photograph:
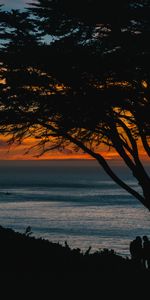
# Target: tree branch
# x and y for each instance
(101, 161)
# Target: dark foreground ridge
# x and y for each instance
(27, 256)
(22, 252)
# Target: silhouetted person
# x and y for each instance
(28, 231)
(146, 251)
(136, 250)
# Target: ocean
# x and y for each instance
(73, 201)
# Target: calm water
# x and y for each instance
(73, 201)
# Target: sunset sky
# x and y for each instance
(18, 152)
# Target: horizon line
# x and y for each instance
(111, 160)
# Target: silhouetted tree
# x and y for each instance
(78, 73)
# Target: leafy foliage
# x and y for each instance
(79, 73)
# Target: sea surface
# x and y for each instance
(73, 201)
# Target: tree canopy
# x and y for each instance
(78, 72)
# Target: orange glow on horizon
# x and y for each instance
(18, 152)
